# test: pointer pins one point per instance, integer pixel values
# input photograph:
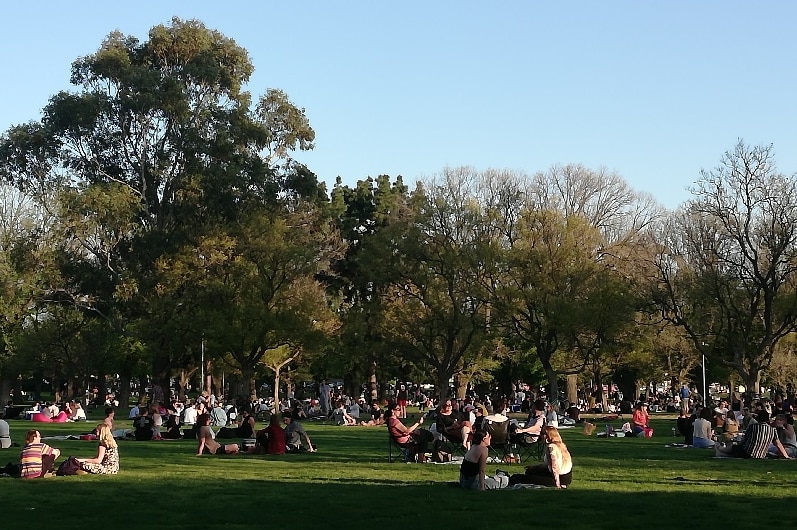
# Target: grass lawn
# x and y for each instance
(348, 483)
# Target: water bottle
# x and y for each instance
(674, 433)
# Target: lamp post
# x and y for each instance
(202, 364)
(705, 389)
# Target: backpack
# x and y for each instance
(70, 466)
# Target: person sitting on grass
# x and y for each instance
(207, 439)
(377, 416)
(756, 442)
(557, 467)
(703, 431)
(472, 474)
(5, 433)
(78, 413)
(414, 437)
(142, 426)
(294, 433)
(272, 438)
(640, 418)
(244, 429)
(36, 458)
(342, 417)
(784, 425)
(107, 460)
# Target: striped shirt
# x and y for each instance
(757, 439)
(30, 459)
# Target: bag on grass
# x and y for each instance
(441, 456)
(69, 466)
(648, 431)
(589, 428)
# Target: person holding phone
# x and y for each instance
(414, 436)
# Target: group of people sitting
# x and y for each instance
(38, 459)
(273, 439)
(470, 431)
(55, 413)
(746, 433)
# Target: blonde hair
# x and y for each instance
(105, 435)
(553, 434)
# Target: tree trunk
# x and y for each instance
(276, 389)
(572, 388)
(553, 385)
(124, 391)
(462, 387)
(247, 386)
(5, 389)
(207, 384)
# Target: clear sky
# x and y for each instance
(655, 91)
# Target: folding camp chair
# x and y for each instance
(528, 446)
(402, 451)
(500, 446)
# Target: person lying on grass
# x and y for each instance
(756, 442)
(107, 460)
(207, 439)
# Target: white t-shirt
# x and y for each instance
(189, 416)
(702, 429)
(5, 432)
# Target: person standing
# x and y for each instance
(325, 395)
(685, 394)
(401, 400)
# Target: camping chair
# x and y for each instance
(528, 446)
(500, 446)
(403, 451)
(450, 444)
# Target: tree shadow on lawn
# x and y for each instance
(212, 502)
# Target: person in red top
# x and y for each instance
(276, 436)
(640, 418)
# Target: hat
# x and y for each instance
(469, 408)
(483, 409)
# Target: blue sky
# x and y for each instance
(655, 91)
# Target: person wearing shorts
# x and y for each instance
(207, 440)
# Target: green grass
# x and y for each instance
(620, 483)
